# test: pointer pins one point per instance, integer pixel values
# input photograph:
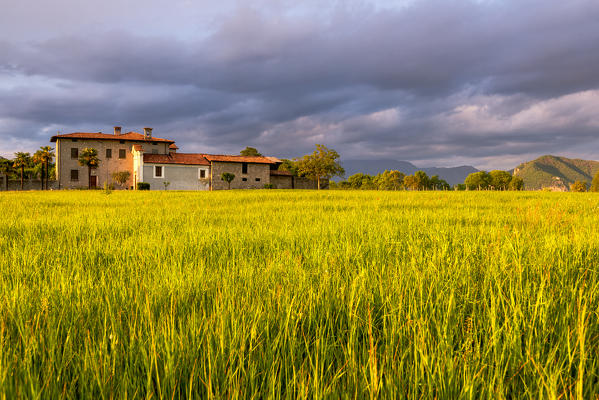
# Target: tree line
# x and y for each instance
(393, 180)
(24, 165)
(494, 180)
(397, 180)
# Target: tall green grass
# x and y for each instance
(293, 294)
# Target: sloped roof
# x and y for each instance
(173, 146)
(241, 159)
(176, 158)
(131, 136)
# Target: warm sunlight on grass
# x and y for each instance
(299, 294)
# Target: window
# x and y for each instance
(74, 174)
(202, 173)
(244, 168)
(257, 179)
(108, 153)
(244, 179)
(157, 171)
(122, 153)
(74, 153)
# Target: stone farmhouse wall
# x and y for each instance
(258, 175)
(107, 166)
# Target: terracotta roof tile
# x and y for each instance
(173, 146)
(131, 136)
(240, 159)
(176, 158)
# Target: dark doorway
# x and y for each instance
(93, 182)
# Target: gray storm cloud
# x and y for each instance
(436, 82)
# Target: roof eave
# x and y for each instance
(55, 138)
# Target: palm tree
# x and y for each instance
(5, 168)
(89, 158)
(38, 159)
(47, 155)
(21, 161)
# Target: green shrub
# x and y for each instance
(108, 187)
(579, 186)
(269, 186)
(143, 186)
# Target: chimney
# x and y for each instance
(147, 133)
(117, 130)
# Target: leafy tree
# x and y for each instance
(289, 166)
(227, 177)
(389, 180)
(5, 169)
(435, 183)
(89, 158)
(21, 161)
(579, 186)
(516, 183)
(322, 163)
(361, 181)
(460, 186)
(595, 183)
(410, 182)
(121, 177)
(341, 185)
(422, 180)
(250, 152)
(500, 180)
(478, 181)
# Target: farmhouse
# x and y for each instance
(156, 161)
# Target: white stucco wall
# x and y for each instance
(181, 177)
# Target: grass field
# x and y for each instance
(293, 294)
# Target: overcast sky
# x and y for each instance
(488, 83)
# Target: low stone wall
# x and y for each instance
(279, 182)
(28, 184)
(285, 182)
(305, 183)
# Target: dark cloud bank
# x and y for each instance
(488, 83)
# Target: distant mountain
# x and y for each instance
(373, 167)
(555, 172)
(453, 175)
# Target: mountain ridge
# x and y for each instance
(555, 172)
